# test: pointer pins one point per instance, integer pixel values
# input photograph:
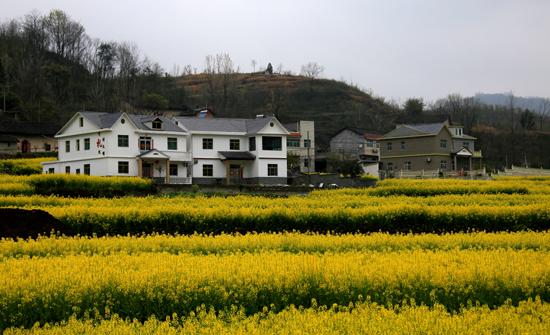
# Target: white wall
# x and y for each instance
(281, 167)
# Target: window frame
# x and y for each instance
(389, 146)
(68, 146)
(171, 168)
(172, 143)
(443, 165)
(403, 145)
(407, 166)
(123, 139)
(208, 143)
(272, 147)
(252, 143)
(81, 122)
(291, 141)
(307, 143)
(208, 170)
(147, 142)
(67, 169)
(156, 124)
(232, 142)
(123, 167)
(87, 143)
(87, 169)
(272, 170)
(77, 144)
(443, 144)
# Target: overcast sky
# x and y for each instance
(396, 48)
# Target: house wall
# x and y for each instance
(347, 143)
(424, 153)
(459, 144)
(307, 131)
(8, 147)
(37, 143)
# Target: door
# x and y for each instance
(235, 173)
(25, 146)
(147, 170)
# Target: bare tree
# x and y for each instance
(67, 37)
(543, 111)
(253, 63)
(511, 107)
(312, 70)
(220, 72)
(279, 69)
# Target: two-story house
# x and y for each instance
(234, 151)
(120, 144)
(428, 147)
(173, 150)
(354, 143)
(301, 143)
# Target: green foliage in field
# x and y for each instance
(23, 166)
(530, 317)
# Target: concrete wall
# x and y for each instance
(347, 142)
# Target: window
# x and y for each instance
(172, 143)
(390, 166)
(402, 145)
(87, 169)
(293, 142)
(466, 145)
(370, 143)
(157, 124)
(145, 143)
(272, 170)
(443, 165)
(86, 144)
(234, 144)
(252, 143)
(123, 141)
(407, 166)
(47, 147)
(307, 143)
(77, 171)
(67, 146)
(77, 145)
(122, 121)
(81, 121)
(207, 170)
(173, 169)
(306, 162)
(207, 143)
(67, 169)
(123, 167)
(443, 144)
(51, 170)
(389, 146)
(271, 143)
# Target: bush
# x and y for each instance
(90, 186)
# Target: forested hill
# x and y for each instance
(331, 104)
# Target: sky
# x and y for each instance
(395, 48)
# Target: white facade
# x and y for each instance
(131, 145)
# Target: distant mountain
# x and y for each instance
(534, 104)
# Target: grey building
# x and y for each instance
(436, 147)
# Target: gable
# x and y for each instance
(347, 135)
(73, 125)
(273, 126)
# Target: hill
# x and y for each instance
(330, 103)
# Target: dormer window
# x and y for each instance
(157, 124)
(81, 121)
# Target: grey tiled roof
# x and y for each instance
(415, 130)
(237, 155)
(247, 126)
(106, 120)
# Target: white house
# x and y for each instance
(172, 150)
(237, 150)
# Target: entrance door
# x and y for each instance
(147, 170)
(235, 173)
(25, 146)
